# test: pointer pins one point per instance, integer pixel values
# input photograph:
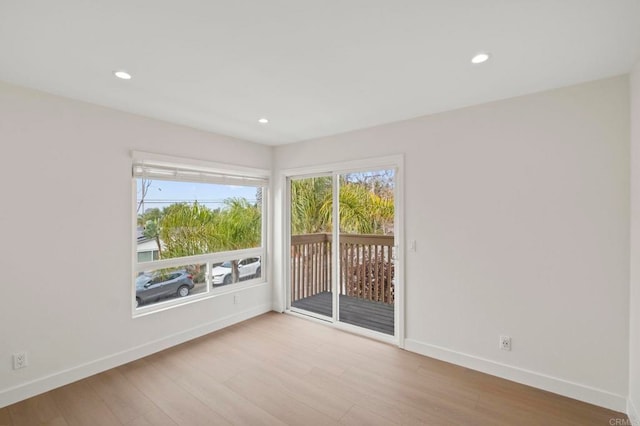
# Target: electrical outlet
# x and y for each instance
(20, 360)
(505, 343)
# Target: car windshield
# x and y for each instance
(143, 279)
(226, 265)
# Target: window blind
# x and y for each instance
(149, 170)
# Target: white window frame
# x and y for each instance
(198, 171)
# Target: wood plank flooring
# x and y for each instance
(363, 313)
(279, 369)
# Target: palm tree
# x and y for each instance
(238, 226)
(311, 204)
(356, 210)
(187, 230)
(362, 211)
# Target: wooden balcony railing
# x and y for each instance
(310, 265)
(366, 271)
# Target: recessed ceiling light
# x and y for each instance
(122, 74)
(480, 58)
(263, 120)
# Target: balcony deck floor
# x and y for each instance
(363, 313)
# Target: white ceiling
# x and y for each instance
(314, 68)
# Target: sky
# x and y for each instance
(162, 193)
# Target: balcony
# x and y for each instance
(365, 288)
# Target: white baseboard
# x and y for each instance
(633, 413)
(61, 378)
(531, 378)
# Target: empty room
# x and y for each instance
(320, 212)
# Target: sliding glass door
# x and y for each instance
(311, 213)
(366, 250)
(342, 247)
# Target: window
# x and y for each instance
(147, 256)
(199, 229)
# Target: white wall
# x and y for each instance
(520, 209)
(65, 225)
(634, 332)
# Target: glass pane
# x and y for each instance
(158, 285)
(235, 271)
(366, 250)
(177, 219)
(311, 239)
(145, 256)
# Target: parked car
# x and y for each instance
(154, 286)
(247, 268)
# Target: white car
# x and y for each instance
(247, 268)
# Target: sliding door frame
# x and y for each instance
(287, 247)
(395, 162)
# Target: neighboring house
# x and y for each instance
(147, 249)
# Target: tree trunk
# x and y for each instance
(235, 271)
(159, 247)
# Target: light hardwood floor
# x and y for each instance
(280, 369)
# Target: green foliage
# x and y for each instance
(191, 229)
(356, 215)
(150, 220)
(153, 214)
(239, 225)
(364, 208)
(311, 205)
(186, 230)
(151, 228)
